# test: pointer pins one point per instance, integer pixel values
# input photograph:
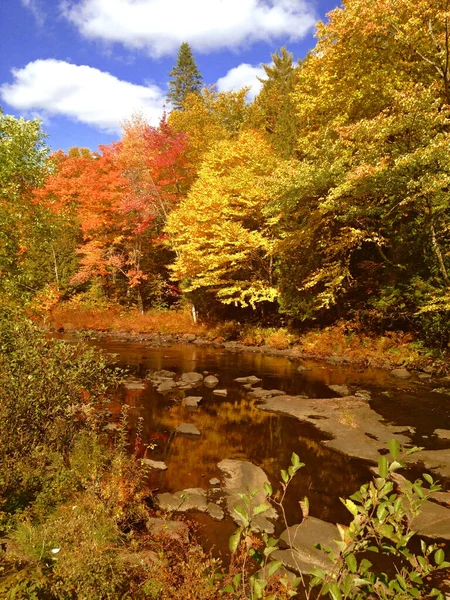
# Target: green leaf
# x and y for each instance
(284, 476)
(234, 540)
(428, 478)
(267, 488)
(273, 566)
(351, 507)
(383, 466)
(439, 557)
(394, 448)
(237, 580)
(351, 562)
(262, 508)
(334, 591)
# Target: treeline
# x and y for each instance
(326, 197)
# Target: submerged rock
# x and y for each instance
(215, 511)
(243, 478)
(188, 499)
(188, 429)
(134, 385)
(262, 393)
(249, 379)
(166, 386)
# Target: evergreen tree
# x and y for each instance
(186, 78)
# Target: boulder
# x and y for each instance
(401, 373)
(166, 386)
(243, 477)
(210, 381)
(192, 378)
(192, 401)
(188, 429)
(155, 464)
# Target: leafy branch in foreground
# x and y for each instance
(383, 513)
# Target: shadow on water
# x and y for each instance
(233, 427)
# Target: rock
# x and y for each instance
(441, 390)
(250, 379)
(444, 434)
(166, 386)
(134, 385)
(210, 381)
(214, 481)
(401, 373)
(189, 499)
(155, 464)
(302, 369)
(242, 478)
(342, 390)
(175, 530)
(261, 393)
(302, 556)
(424, 376)
(188, 429)
(192, 401)
(162, 374)
(189, 337)
(434, 460)
(220, 392)
(356, 429)
(428, 370)
(215, 511)
(364, 394)
(336, 360)
(192, 377)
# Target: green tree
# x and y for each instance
(185, 77)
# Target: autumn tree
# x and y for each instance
(185, 77)
(223, 239)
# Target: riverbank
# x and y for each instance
(344, 342)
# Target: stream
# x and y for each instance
(232, 427)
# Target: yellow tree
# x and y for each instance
(223, 237)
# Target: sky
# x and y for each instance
(85, 66)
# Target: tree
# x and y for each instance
(223, 240)
(273, 109)
(186, 78)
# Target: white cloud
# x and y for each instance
(36, 10)
(242, 76)
(160, 26)
(82, 93)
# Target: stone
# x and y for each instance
(242, 477)
(163, 373)
(215, 511)
(424, 376)
(356, 429)
(334, 359)
(134, 385)
(364, 394)
(166, 386)
(189, 337)
(302, 556)
(192, 401)
(401, 373)
(302, 369)
(188, 429)
(342, 390)
(210, 381)
(434, 460)
(158, 465)
(262, 393)
(444, 434)
(175, 530)
(250, 379)
(188, 499)
(214, 481)
(192, 377)
(220, 392)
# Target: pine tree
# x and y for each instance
(186, 78)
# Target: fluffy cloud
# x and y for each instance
(36, 10)
(160, 26)
(242, 76)
(82, 93)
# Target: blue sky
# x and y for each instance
(84, 66)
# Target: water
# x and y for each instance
(233, 427)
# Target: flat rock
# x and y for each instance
(214, 481)
(192, 377)
(437, 461)
(188, 429)
(192, 401)
(342, 390)
(175, 530)
(302, 369)
(189, 337)
(401, 373)
(166, 386)
(262, 393)
(356, 429)
(210, 381)
(444, 434)
(249, 379)
(134, 385)
(220, 392)
(163, 374)
(302, 556)
(158, 465)
(188, 499)
(242, 478)
(215, 511)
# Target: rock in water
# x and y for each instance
(188, 429)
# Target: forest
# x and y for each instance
(325, 198)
